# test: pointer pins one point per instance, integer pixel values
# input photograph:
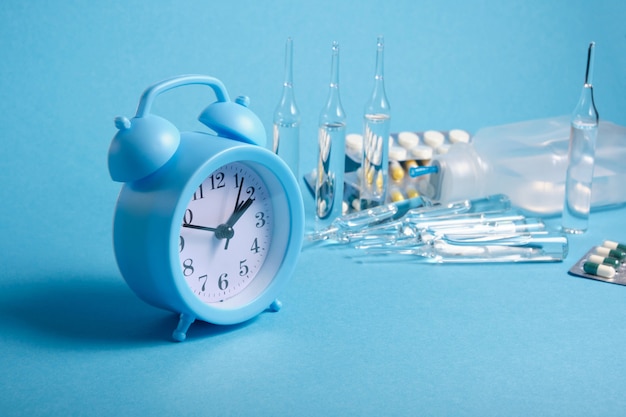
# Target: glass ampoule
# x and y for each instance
(287, 118)
(331, 152)
(376, 129)
(582, 145)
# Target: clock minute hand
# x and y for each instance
(240, 209)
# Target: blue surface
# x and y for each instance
(352, 338)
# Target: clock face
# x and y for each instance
(226, 233)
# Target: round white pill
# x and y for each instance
(397, 153)
(433, 138)
(408, 139)
(443, 149)
(421, 153)
(458, 136)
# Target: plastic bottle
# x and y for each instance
(528, 162)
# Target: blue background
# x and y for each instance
(353, 338)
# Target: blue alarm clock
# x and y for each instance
(208, 225)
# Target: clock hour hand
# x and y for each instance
(194, 226)
(223, 231)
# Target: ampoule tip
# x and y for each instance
(589, 70)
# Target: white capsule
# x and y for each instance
(613, 253)
(603, 271)
(614, 245)
(609, 244)
(603, 251)
(597, 259)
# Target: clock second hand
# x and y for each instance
(237, 205)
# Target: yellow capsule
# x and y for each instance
(412, 192)
(370, 175)
(409, 164)
(396, 196)
(379, 180)
(397, 173)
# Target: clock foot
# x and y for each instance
(180, 334)
(275, 306)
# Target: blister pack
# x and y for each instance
(606, 262)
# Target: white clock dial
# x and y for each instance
(226, 232)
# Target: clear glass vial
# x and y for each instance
(376, 129)
(286, 133)
(331, 152)
(581, 156)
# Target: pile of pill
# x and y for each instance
(406, 150)
(604, 263)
